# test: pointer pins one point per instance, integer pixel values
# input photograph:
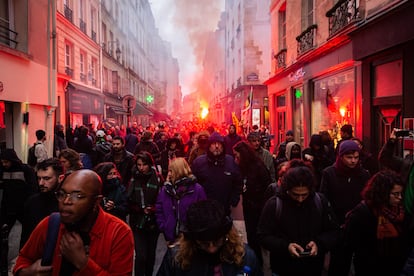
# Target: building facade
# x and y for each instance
(247, 60)
(28, 73)
(319, 80)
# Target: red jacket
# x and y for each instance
(111, 248)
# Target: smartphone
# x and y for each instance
(402, 132)
(305, 253)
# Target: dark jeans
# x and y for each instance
(145, 248)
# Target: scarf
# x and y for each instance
(389, 222)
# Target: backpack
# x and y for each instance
(316, 199)
(32, 159)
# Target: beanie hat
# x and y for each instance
(100, 133)
(253, 136)
(289, 133)
(206, 221)
(348, 146)
(215, 137)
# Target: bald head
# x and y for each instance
(88, 180)
(80, 198)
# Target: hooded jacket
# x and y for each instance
(172, 205)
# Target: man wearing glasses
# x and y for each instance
(90, 241)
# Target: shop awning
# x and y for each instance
(140, 109)
(118, 110)
(84, 100)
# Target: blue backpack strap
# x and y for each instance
(51, 239)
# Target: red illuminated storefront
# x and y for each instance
(384, 45)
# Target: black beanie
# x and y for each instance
(207, 221)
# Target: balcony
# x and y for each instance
(83, 77)
(306, 40)
(82, 25)
(69, 71)
(8, 37)
(341, 15)
(68, 13)
(281, 59)
(94, 82)
(93, 35)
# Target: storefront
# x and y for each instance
(387, 73)
(84, 105)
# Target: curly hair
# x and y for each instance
(232, 251)
(377, 191)
(73, 157)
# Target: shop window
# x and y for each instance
(333, 103)
(388, 79)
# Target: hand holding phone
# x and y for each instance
(305, 253)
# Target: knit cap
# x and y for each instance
(348, 146)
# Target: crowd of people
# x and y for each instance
(320, 210)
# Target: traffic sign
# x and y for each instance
(128, 102)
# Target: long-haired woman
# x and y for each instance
(179, 191)
(374, 229)
(142, 194)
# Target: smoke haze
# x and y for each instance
(187, 24)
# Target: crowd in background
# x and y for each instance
(301, 206)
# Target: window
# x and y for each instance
(93, 24)
(68, 55)
(94, 63)
(282, 27)
(8, 22)
(334, 97)
(82, 59)
(307, 13)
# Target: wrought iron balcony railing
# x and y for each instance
(306, 40)
(69, 71)
(341, 14)
(68, 13)
(82, 25)
(281, 59)
(82, 77)
(8, 37)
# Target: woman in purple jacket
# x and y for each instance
(178, 193)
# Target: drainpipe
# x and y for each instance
(99, 20)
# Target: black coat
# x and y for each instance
(373, 256)
(299, 224)
(343, 188)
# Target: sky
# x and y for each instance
(185, 24)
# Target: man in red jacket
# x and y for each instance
(90, 241)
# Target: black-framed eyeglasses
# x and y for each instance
(397, 194)
(74, 196)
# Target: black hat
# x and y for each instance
(9, 155)
(206, 221)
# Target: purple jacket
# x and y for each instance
(172, 205)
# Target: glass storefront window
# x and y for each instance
(333, 103)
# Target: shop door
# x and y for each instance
(280, 119)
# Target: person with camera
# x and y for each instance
(142, 195)
(297, 225)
